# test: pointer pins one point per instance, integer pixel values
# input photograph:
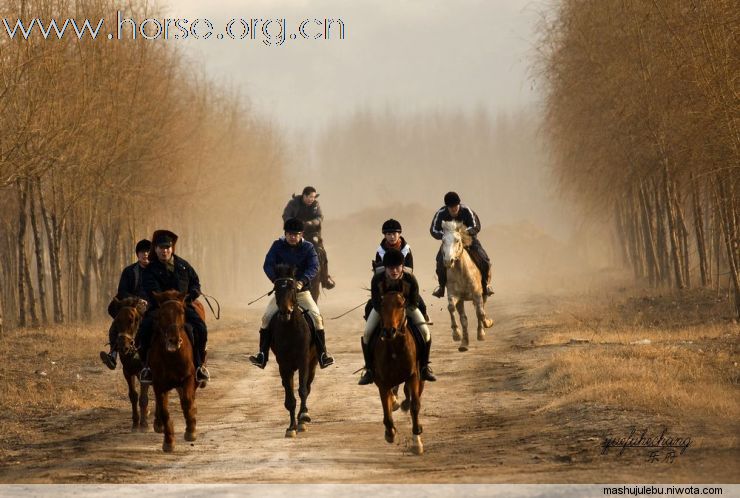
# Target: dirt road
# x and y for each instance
(480, 419)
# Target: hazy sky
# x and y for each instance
(408, 55)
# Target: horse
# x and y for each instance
(294, 348)
(128, 313)
(171, 362)
(395, 363)
(316, 283)
(463, 282)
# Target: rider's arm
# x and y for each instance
(150, 285)
(409, 261)
(270, 262)
(375, 295)
(315, 223)
(126, 284)
(413, 298)
(290, 211)
(312, 266)
(436, 228)
(471, 221)
(193, 285)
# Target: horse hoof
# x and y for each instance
(462, 349)
(168, 448)
(290, 433)
(417, 447)
(456, 335)
(481, 335)
(303, 417)
(396, 404)
(144, 428)
(190, 436)
(302, 427)
(390, 436)
(158, 429)
(405, 405)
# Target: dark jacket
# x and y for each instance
(408, 261)
(311, 216)
(301, 256)
(131, 282)
(157, 278)
(466, 215)
(380, 284)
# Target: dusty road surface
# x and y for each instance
(482, 421)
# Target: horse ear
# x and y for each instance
(182, 295)
(158, 296)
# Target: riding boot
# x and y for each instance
(260, 359)
(109, 358)
(325, 359)
(426, 370)
(367, 376)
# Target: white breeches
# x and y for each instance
(413, 314)
(305, 301)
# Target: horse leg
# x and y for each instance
(133, 396)
(464, 322)
(303, 393)
(303, 413)
(143, 408)
(187, 403)
(386, 398)
(451, 303)
(415, 390)
(396, 404)
(483, 321)
(163, 415)
(287, 377)
(406, 403)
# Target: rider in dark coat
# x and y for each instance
(167, 271)
(306, 208)
(454, 211)
(129, 285)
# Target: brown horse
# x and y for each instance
(171, 361)
(129, 312)
(293, 347)
(395, 363)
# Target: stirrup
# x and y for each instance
(325, 360)
(328, 283)
(259, 360)
(202, 375)
(439, 291)
(367, 377)
(108, 360)
(145, 377)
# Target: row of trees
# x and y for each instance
(100, 143)
(642, 112)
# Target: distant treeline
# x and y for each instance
(101, 143)
(642, 113)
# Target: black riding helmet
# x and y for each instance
(144, 245)
(293, 225)
(452, 199)
(391, 226)
(393, 257)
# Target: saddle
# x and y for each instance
(309, 320)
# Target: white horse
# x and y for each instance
(463, 282)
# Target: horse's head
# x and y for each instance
(126, 323)
(285, 291)
(454, 240)
(392, 315)
(170, 319)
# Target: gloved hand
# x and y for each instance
(299, 286)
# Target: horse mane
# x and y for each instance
(285, 271)
(460, 228)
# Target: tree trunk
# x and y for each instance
(39, 251)
(700, 236)
(22, 312)
(672, 228)
(53, 242)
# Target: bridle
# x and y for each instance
(285, 284)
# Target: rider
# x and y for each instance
(129, 285)
(391, 277)
(305, 207)
(454, 211)
(167, 271)
(292, 250)
(392, 239)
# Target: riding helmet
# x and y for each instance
(393, 257)
(293, 225)
(163, 238)
(452, 199)
(143, 246)
(391, 226)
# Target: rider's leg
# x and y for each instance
(419, 322)
(109, 358)
(423, 308)
(305, 301)
(326, 281)
(143, 341)
(373, 320)
(441, 275)
(481, 259)
(200, 339)
(260, 359)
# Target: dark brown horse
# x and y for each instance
(129, 312)
(171, 361)
(395, 363)
(293, 347)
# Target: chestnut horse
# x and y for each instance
(395, 363)
(129, 312)
(293, 347)
(171, 362)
